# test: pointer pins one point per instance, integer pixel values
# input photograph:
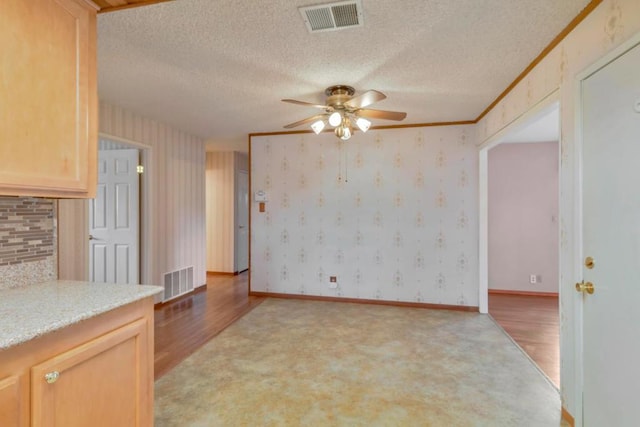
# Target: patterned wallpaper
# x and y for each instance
(27, 241)
(391, 213)
(610, 24)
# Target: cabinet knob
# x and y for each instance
(52, 377)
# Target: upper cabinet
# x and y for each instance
(48, 98)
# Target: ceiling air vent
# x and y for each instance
(332, 16)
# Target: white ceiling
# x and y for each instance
(218, 69)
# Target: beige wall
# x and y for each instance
(607, 27)
(523, 217)
(221, 177)
(220, 196)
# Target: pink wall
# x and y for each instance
(523, 216)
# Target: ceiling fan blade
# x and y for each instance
(306, 104)
(367, 98)
(380, 114)
(305, 121)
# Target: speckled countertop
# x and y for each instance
(28, 312)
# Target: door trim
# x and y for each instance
(577, 240)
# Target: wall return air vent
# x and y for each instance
(177, 283)
(332, 16)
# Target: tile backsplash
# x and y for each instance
(27, 241)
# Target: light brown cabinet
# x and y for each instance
(10, 401)
(48, 98)
(98, 372)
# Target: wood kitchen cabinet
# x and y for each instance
(48, 98)
(98, 372)
(10, 401)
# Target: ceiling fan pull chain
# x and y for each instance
(346, 165)
(339, 161)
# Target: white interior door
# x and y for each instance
(114, 219)
(242, 209)
(611, 236)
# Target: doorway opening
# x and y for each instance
(227, 212)
(520, 233)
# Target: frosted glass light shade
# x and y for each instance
(363, 124)
(346, 133)
(317, 126)
(335, 119)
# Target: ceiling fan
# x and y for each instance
(342, 110)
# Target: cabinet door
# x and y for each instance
(48, 98)
(100, 383)
(10, 402)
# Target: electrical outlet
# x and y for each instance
(533, 279)
(333, 282)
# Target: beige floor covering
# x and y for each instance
(308, 363)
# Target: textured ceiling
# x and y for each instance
(218, 69)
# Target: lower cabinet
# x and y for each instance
(104, 380)
(10, 401)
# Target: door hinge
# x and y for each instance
(140, 169)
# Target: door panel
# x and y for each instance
(123, 210)
(611, 235)
(99, 265)
(114, 219)
(99, 212)
(122, 264)
(242, 205)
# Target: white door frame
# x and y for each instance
(483, 240)
(578, 218)
(146, 221)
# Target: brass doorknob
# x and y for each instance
(585, 287)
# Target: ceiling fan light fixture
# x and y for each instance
(363, 124)
(346, 133)
(335, 118)
(344, 112)
(317, 126)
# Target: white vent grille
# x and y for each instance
(177, 283)
(332, 16)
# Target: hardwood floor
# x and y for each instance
(533, 322)
(184, 325)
